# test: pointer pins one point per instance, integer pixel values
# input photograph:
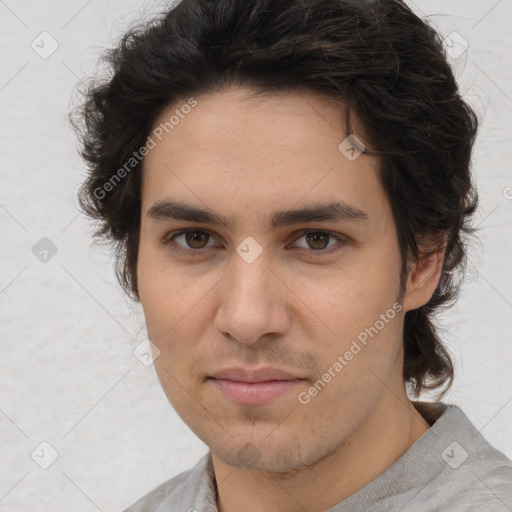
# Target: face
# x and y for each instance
(275, 315)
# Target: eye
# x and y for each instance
(195, 242)
(192, 240)
(318, 241)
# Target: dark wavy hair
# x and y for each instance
(377, 59)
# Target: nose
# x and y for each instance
(253, 301)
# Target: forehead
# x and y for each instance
(238, 123)
(274, 149)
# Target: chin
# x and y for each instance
(267, 457)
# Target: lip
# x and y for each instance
(255, 375)
(254, 387)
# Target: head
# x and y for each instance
(311, 244)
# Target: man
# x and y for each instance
(288, 186)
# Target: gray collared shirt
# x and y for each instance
(449, 468)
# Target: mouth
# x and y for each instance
(254, 387)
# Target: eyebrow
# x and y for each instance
(337, 211)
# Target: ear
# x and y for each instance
(424, 274)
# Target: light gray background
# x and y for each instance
(68, 373)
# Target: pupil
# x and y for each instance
(314, 238)
(193, 237)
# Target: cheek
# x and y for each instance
(344, 301)
(355, 369)
(353, 314)
(163, 301)
(165, 292)
(171, 326)
(177, 311)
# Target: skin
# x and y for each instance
(294, 308)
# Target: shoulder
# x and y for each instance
(475, 476)
(482, 485)
(189, 491)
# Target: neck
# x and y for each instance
(356, 462)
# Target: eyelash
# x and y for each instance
(168, 240)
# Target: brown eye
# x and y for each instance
(190, 241)
(321, 242)
(318, 241)
(196, 239)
